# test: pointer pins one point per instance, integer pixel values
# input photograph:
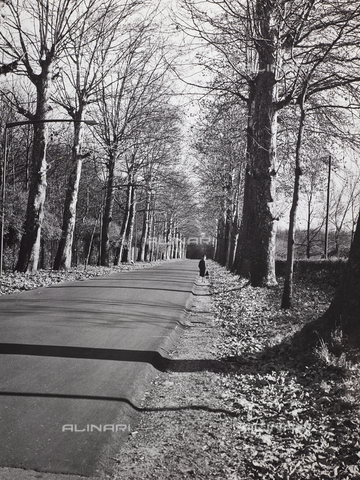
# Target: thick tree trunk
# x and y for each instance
(108, 213)
(289, 270)
(343, 312)
(64, 252)
(30, 242)
(256, 248)
(256, 251)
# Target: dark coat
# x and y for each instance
(202, 267)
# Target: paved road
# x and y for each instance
(75, 359)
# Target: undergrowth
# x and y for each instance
(298, 408)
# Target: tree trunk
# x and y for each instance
(108, 212)
(256, 252)
(124, 226)
(289, 269)
(130, 232)
(169, 239)
(123, 248)
(183, 246)
(236, 222)
(234, 240)
(30, 242)
(308, 226)
(343, 312)
(150, 256)
(145, 227)
(221, 241)
(64, 252)
(228, 236)
(176, 244)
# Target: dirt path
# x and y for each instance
(185, 419)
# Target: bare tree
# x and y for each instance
(271, 50)
(158, 150)
(288, 284)
(91, 54)
(314, 179)
(342, 206)
(127, 106)
(39, 43)
(219, 144)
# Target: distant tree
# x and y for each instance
(313, 186)
(219, 144)
(161, 141)
(342, 205)
(127, 106)
(178, 209)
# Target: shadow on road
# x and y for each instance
(272, 359)
(154, 358)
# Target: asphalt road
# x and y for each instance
(75, 361)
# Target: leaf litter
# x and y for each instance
(15, 282)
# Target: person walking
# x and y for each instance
(202, 267)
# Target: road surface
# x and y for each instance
(75, 360)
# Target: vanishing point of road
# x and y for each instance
(76, 359)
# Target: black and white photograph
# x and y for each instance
(180, 239)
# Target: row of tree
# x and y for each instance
(288, 72)
(102, 68)
(329, 190)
